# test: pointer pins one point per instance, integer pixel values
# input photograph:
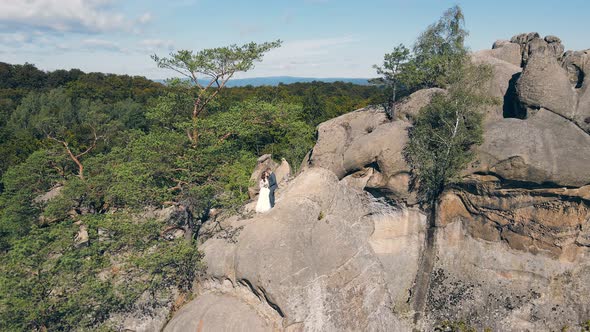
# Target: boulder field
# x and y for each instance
(347, 248)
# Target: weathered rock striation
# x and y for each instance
(347, 248)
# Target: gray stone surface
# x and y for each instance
(366, 138)
(488, 285)
(544, 83)
(532, 43)
(501, 86)
(310, 259)
(48, 196)
(408, 108)
(218, 312)
(506, 51)
(577, 66)
(327, 258)
(544, 148)
(510, 250)
(283, 171)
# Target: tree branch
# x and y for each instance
(92, 146)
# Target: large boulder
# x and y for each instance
(544, 83)
(543, 149)
(506, 51)
(532, 43)
(508, 248)
(490, 286)
(310, 261)
(501, 85)
(283, 171)
(364, 139)
(220, 312)
(577, 65)
(552, 79)
(408, 108)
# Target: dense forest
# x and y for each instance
(106, 147)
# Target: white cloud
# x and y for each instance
(152, 45)
(301, 51)
(145, 18)
(87, 16)
(321, 57)
(15, 38)
(102, 44)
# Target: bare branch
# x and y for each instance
(92, 146)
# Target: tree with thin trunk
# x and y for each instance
(75, 125)
(392, 69)
(76, 157)
(209, 70)
(443, 134)
(440, 146)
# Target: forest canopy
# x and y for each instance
(107, 147)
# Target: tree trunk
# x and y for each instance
(423, 275)
(392, 106)
(189, 223)
(75, 159)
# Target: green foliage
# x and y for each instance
(47, 282)
(174, 264)
(140, 173)
(394, 64)
(585, 326)
(24, 182)
(437, 59)
(19, 138)
(314, 107)
(111, 88)
(236, 180)
(439, 52)
(441, 140)
(170, 110)
(218, 65)
(141, 156)
(261, 127)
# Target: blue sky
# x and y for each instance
(322, 38)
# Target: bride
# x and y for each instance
(263, 204)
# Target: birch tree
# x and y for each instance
(444, 132)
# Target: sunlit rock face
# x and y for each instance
(347, 247)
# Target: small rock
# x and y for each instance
(81, 239)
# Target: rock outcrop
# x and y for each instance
(312, 260)
(542, 149)
(366, 141)
(508, 249)
(282, 172)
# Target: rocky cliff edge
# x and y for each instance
(345, 247)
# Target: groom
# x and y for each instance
(272, 185)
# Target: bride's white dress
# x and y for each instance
(263, 204)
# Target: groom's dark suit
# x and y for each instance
(272, 185)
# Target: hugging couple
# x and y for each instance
(266, 197)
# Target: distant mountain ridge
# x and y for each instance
(276, 80)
